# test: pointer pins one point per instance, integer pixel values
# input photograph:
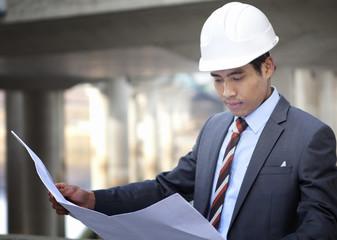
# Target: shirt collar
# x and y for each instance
(260, 116)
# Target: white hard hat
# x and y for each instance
(233, 36)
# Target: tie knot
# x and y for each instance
(241, 125)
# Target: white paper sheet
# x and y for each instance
(171, 218)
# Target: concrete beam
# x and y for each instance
(38, 10)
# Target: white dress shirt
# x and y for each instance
(243, 153)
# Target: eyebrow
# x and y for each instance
(236, 71)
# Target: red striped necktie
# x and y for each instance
(222, 183)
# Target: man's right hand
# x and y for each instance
(73, 194)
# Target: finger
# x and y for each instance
(61, 185)
(50, 194)
(62, 212)
(68, 191)
(57, 206)
(52, 199)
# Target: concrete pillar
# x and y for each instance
(306, 91)
(316, 93)
(117, 92)
(133, 116)
(149, 129)
(146, 162)
(165, 131)
(98, 120)
(137, 143)
(109, 116)
(37, 117)
(327, 98)
(283, 80)
(16, 165)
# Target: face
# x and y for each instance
(243, 89)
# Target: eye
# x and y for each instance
(218, 80)
(238, 77)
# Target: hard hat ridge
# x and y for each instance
(234, 35)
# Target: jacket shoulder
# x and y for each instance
(285, 112)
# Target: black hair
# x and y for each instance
(257, 62)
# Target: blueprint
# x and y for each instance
(171, 218)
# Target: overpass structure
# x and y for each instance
(48, 46)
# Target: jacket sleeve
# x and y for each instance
(136, 196)
(317, 175)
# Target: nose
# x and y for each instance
(228, 89)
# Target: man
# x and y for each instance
(276, 179)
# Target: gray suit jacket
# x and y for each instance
(298, 201)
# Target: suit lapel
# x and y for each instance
(265, 144)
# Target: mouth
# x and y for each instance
(233, 105)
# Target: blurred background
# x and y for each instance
(108, 92)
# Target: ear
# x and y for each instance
(269, 67)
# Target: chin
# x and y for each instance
(238, 113)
